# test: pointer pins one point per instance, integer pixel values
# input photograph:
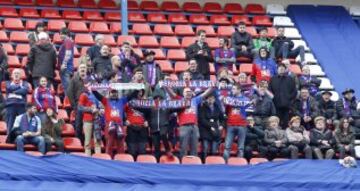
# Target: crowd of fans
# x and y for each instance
(270, 110)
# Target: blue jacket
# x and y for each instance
(16, 93)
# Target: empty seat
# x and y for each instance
(254, 8)
(181, 66)
(45, 3)
(62, 114)
(78, 26)
(71, 14)
(163, 29)
(156, 18)
(87, 4)
(112, 16)
(283, 21)
(66, 3)
(225, 31)
(176, 54)
(146, 159)
(177, 18)
(292, 33)
(165, 66)
(233, 8)
(31, 24)
(8, 12)
(193, 7)
(72, 144)
(133, 5)
(3, 36)
(236, 19)
(169, 160)
(315, 70)
(107, 4)
(148, 42)
(246, 68)
(56, 25)
(171, 6)
(212, 7)
(104, 156)
(214, 160)
(24, 2)
(29, 13)
(109, 40)
(301, 43)
(275, 9)
(8, 47)
(184, 30)
(169, 42)
(191, 160)
(149, 6)
(213, 42)
(67, 130)
(159, 54)
(84, 39)
(294, 68)
(124, 157)
(124, 38)
(99, 27)
(199, 19)
(115, 50)
(13, 24)
(4, 145)
(141, 29)
(187, 41)
(92, 15)
(18, 36)
(271, 32)
(219, 20)
(13, 62)
(254, 161)
(209, 30)
(115, 27)
(262, 20)
(50, 14)
(237, 161)
(136, 17)
(22, 49)
(326, 84)
(252, 31)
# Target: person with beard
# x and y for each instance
(195, 74)
(345, 139)
(151, 70)
(139, 78)
(298, 139)
(322, 140)
(310, 81)
(264, 66)
(242, 42)
(44, 98)
(51, 130)
(129, 59)
(306, 107)
(327, 109)
(29, 129)
(102, 64)
(119, 69)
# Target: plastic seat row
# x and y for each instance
(104, 4)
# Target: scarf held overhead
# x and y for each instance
(166, 104)
(203, 84)
(118, 86)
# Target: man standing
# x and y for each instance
(151, 70)
(94, 51)
(242, 42)
(102, 64)
(200, 50)
(66, 58)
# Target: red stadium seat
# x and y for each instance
(71, 14)
(87, 4)
(235, 19)
(133, 5)
(72, 144)
(62, 114)
(149, 6)
(24, 2)
(67, 104)
(165, 66)
(262, 20)
(252, 31)
(67, 130)
(45, 3)
(23, 61)
(254, 8)
(233, 8)
(4, 145)
(112, 16)
(177, 18)
(148, 42)
(225, 31)
(78, 26)
(139, 52)
(18, 36)
(181, 66)
(22, 49)
(176, 54)
(8, 48)
(159, 54)
(246, 68)
(156, 18)
(163, 29)
(199, 19)
(66, 3)
(109, 40)
(124, 157)
(236, 161)
(143, 29)
(101, 156)
(136, 17)
(107, 4)
(115, 50)
(31, 24)
(271, 32)
(212, 7)
(184, 30)
(146, 159)
(254, 161)
(84, 39)
(115, 27)
(214, 160)
(13, 62)
(57, 39)
(219, 20)
(3, 127)
(169, 42)
(6, 2)
(187, 41)
(166, 160)
(193, 7)
(99, 27)
(50, 14)
(170, 6)
(92, 15)
(213, 42)
(58, 102)
(8, 12)
(294, 68)
(29, 13)
(209, 30)
(82, 154)
(13, 24)
(123, 38)
(191, 160)
(3, 36)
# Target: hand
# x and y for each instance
(127, 122)
(127, 54)
(243, 48)
(325, 143)
(278, 143)
(52, 140)
(63, 66)
(146, 124)
(351, 119)
(212, 129)
(200, 52)
(26, 134)
(329, 121)
(94, 109)
(347, 147)
(221, 128)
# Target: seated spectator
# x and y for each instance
(310, 81)
(102, 64)
(3, 64)
(263, 105)
(139, 78)
(28, 127)
(263, 42)
(129, 59)
(254, 138)
(345, 139)
(347, 108)
(275, 140)
(94, 51)
(195, 74)
(51, 130)
(321, 140)
(224, 56)
(211, 124)
(298, 139)
(242, 42)
(66, 57)
(16, 91)
(264, 67)
(42, 60)
(328, 110)
(284, 47)
(306, 107)
(151, 70)
(33, 36)
(44, 98)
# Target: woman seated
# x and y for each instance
(298, 139)
(51, 130)
(345, 139)
(321, 139)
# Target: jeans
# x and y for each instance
(89, 133)
(11, 112)
(231, 132)
(38, 140)
(65, 77)
(189, 135)
(286, 52)
(213, 145)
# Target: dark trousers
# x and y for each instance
(57, 142)
(136, 140)
(273, 152)
(11, 112)
(343, 151)
(284, 115)
(206, 76)
(79, 126)
(156, 140)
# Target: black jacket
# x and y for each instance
(264, 106)
(317, 136)
(341, 111)
(284, 90)
(159, 119)
(202, 61)
(208, 119)
(254, 136)
(93, 52)
(313, 110)
(102, 66)
(42, 60)
(75, 88)
(327, 109)
(194, 76)
(238, 39)
(278, 42)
